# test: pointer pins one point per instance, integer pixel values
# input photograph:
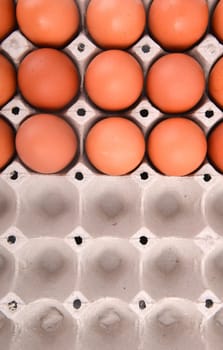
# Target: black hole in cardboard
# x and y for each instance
(144, 113)
(76, 304)
(78, 240)
(144, 175)
(81, 47)
(209, 303)
(79, 176)
(11, 239)
(15, 110)
(12, 305)
(207, 177)
(14, 175)
(209, 114)
(143, 240)
(142, 304)
(146, 48)
(81, 112)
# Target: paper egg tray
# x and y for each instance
(89, 261)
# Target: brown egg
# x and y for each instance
(115, 24)
(48, 79)
(215, 83)
(7, 142)
(7, 17)
(46, 143)
(48, 22)
(217, 20)
(115, 146)
(7, 80)
(114, 80)
(215, 147)
(177, 146)
(178, 24)
(175, 83)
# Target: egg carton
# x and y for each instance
(89, 261)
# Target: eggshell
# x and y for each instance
(48, 22)
(175, 83)
(215, 146)
(177, 146)
(7, 17)
(215, 83)
(7, 143)
(7, 80)
(115, 23)
(48, 79)
(178, 24)
(46, 143)
(217, 20)
(114, 80)
(115, 146)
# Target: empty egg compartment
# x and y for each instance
(213, 330)
(112, 266)
(44, 323)
(7, 329)
(173, 206)
(109, 323)
(49, 209)
(90, 261)
(114, 209)
(170, 269)
(49, 265)
(173, 323)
